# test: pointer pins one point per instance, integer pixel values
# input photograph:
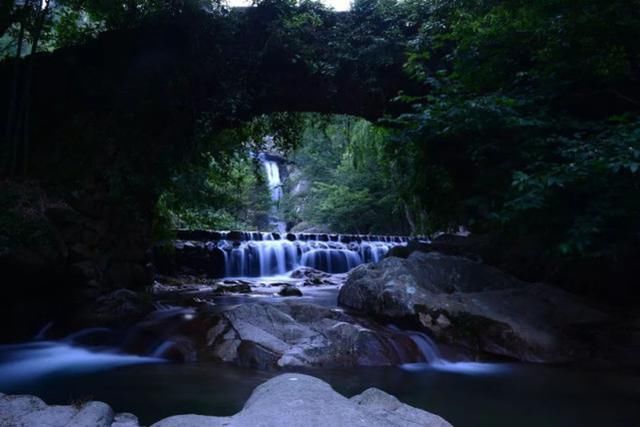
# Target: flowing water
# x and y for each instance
(505, 395)
(131, 370)
(262, 254)
(92, 364)
(272, 170)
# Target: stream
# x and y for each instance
(85, 366)
(505, 395)
(99, 364)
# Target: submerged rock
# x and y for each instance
(301, 400)
(293, 333)
(471, 304)
(229, 286)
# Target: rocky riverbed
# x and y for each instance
(385, 315)
(312, 318)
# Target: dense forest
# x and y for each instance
(444, 141)
(513, 118)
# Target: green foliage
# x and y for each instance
(531, 122)
(522, 118)
(587, 189)
(227, 192)
(350, 187)
(69, 22)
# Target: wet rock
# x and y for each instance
(473, 305)
(308, 273)
(117, 308)
(290, 291)
(302, 400)
(236, 236)
(295, 333)
(234, 287)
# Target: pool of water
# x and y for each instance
(465, 394)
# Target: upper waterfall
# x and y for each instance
(273, 179)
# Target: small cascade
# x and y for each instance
(433, 360)
(427, 347)
(160, 351)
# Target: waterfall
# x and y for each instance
(160, 351)
(427, 347)
(256, 254)
(273, 179)
(433, 360)
(268, 254)
(275, 186)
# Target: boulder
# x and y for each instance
(468, 303)
(125, 420)
(294, 333)
(26, 411)
(117, 308)
(286, 400)
(313, 277)
(290, 291)
(301, 400)
(389, 408)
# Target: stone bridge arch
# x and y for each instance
(108, 118)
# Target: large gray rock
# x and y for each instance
(29, 411)
(286, 400)
(388, 407)
(468, 303)
(125, 420)
(294, 333)
(300, 400)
